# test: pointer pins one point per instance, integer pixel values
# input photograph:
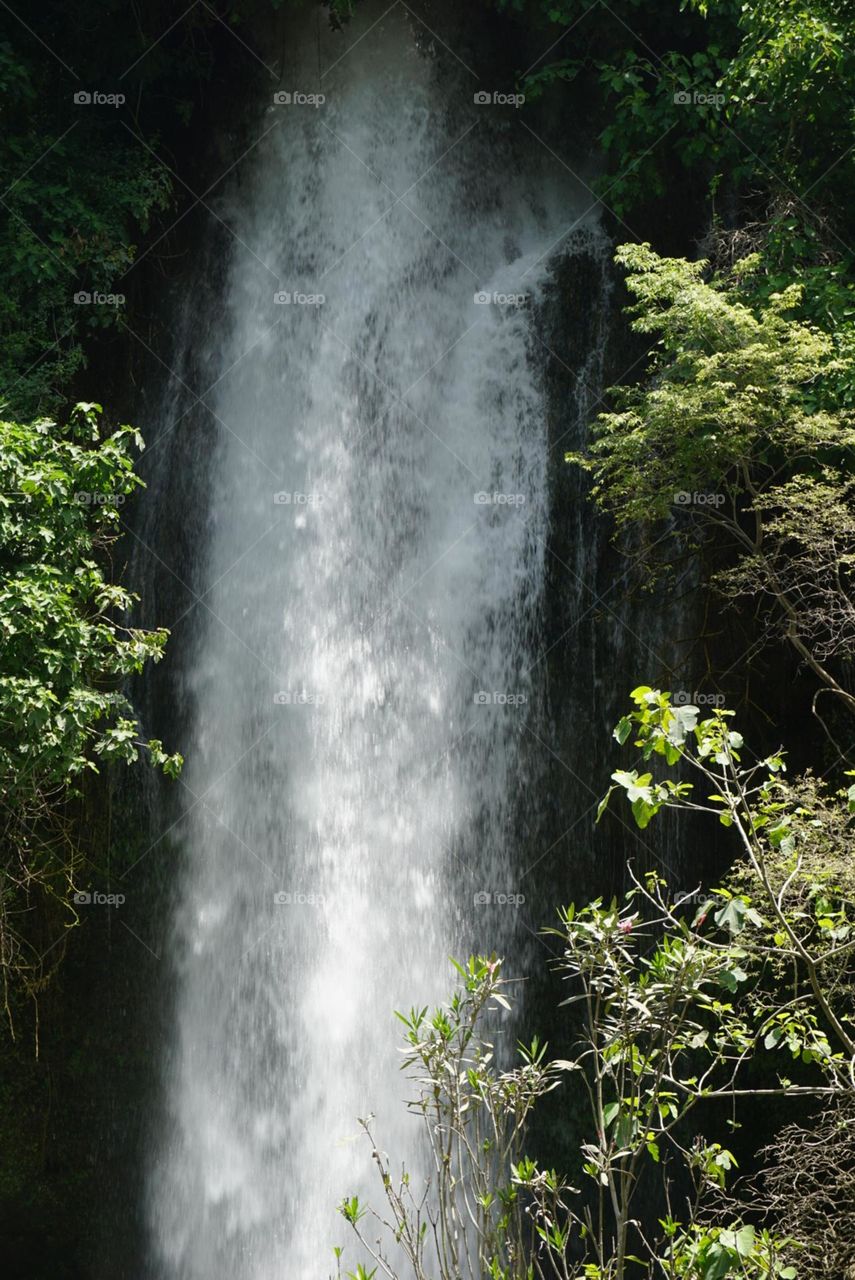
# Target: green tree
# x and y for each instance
(65, 659)
(798, 910)
(90, 184)
(741, 430)
(658, 1036)
(755, 99)
(674, 1008)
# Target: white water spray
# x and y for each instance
(373, 580)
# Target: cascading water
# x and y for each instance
(362, 673)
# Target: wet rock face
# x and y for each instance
(600, 636)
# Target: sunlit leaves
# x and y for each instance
(66, 647)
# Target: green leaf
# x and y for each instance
(624, 728)
(642, 811)
(603, 805)
(731, 978)
(732, 916)
(742, 1241)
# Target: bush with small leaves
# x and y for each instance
(672, 1009)
(65, 656)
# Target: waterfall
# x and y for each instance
(363, 660)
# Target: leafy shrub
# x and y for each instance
(65, 656)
